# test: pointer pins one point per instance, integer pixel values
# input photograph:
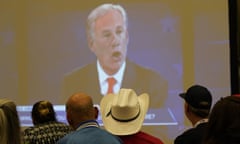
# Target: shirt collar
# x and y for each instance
(103, 76)
(201, 121)
(89, 123)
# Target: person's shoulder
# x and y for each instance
(64, 139)
(99, 135)
(143, 72)
(110, 137)
(29, 130)
(36, 128)
(141, 138)
(102, 131)
(60, 125)
(149, 138)
(106, 135)
(70, 136)
(190, 135)
(137, 66)
(188, 132)
(83, 69)
(202, 125)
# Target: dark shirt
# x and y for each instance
(192, 136)
(47, 133)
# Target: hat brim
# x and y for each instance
(182, 95)
(123, 128)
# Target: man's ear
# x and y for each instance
(90, 43)
(96, 112)
(186, 107)
(69, 119)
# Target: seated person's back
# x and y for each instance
(81, 115)
(197, 106)
(46, 129)
(123, 115)
(224, 122)
(9, 123)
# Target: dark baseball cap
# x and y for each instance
(198, 97)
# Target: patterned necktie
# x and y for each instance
(111, 82)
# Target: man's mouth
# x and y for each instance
(116, 56)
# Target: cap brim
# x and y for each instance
(182, 95)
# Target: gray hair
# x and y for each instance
(100, 11)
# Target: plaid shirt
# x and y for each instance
(47, 133)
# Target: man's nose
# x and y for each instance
(116, 40)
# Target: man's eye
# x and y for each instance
(106, 35)
(119, 31)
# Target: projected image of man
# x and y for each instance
(108, 39)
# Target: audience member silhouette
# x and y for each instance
(10, 131)
(46, 129)
(81, 115)
(123, 115)
(224, 122)
(198, 101)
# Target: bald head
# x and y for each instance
(78, 101)
(80, 108)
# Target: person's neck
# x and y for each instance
(110, 71)
(194, 119)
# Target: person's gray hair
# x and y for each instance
(100, 11)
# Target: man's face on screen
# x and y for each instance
(110, 41)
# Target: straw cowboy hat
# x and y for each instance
(123, 113)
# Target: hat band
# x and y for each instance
(123, 120)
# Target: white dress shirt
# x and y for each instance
(103, 78)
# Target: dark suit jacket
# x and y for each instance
(192, 136)
(140, 79)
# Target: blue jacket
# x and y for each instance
(89, 132)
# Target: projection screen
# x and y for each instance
(186, 42)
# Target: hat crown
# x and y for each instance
(125, 105)
(198, 97)
(123, 113)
